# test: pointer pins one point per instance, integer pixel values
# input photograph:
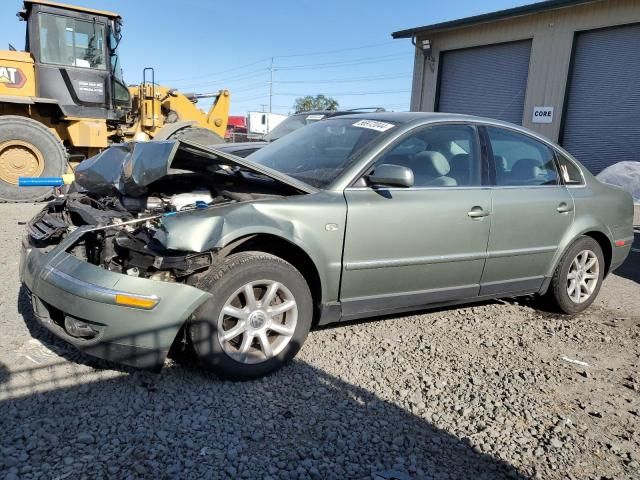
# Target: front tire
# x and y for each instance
(28, 149)
(578, 277)
(258, 318)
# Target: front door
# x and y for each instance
(409, 247)
(531, 212)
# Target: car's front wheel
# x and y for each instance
(578, 277)
(258, 317)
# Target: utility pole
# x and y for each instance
(270, 94)
(270, 85)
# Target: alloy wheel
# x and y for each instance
(583, 276)
(257, 321)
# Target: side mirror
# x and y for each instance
(388, 175)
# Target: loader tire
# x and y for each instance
(28, 149)
(198, 135)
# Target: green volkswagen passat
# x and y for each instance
(173, 244)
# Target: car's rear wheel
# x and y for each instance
(257, 319)
(578, 277)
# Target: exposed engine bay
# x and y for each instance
(121, 196)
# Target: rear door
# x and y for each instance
(531, 212)
(407, 247)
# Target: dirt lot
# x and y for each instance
(475, 392)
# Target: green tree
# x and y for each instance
(319, 102)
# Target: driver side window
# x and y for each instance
(439, 156)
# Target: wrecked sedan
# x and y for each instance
(172, 244)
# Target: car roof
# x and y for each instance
(407, 117)
(426, 117)
(332, 113)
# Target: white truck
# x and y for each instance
(261, 123)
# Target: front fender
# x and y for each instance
(301, 220)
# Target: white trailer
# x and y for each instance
(263, 122)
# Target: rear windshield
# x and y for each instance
(319, 153)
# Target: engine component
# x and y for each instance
(183, 200)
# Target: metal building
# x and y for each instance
(569, 69)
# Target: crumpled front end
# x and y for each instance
(99, 274)
(113, 316)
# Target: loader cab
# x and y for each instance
(76, 59)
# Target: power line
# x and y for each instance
(218, 73)
(326, 52)
(222, 82)
(347, 80)
(344, 63)
(254, 73)
(266, 59)
(344, 94)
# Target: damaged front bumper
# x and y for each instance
(109, 315)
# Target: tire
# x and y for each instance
(243, 355)
(39, 153)
(560, 292)
(198, 135)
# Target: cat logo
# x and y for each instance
(12, 77)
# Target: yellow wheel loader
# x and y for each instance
(64, 99)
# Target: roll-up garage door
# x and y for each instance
(602, 118)
(490, 81)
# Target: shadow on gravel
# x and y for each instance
(187, 423)
(55, 344)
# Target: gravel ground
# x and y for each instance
(474, 392)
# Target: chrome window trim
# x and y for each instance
(479, 187)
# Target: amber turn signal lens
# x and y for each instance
(136, 302)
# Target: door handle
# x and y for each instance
(478, 212)
(564, 208)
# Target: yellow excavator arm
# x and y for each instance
(158, 109)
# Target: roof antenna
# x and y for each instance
(12, 48)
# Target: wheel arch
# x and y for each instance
(287, 250)
(599, 234)
(605, 244)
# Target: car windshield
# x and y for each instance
(291, 124)
(319, 153)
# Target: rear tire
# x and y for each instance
(256, 321)
(578, 277)
(28, 148)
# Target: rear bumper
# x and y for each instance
(620, 253)
(66, 289)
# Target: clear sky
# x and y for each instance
(341, 48)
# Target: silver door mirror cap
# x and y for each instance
(388, 175)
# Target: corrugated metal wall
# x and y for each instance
(552, 33)
(602, 118)
(488, 81)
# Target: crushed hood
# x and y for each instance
(128, 168)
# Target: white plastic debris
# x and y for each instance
(577, 362)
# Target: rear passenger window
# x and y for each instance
(439, 156)
(569, 171)
(521, 160)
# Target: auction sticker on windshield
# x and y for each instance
(315, 117)
(374, 125)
